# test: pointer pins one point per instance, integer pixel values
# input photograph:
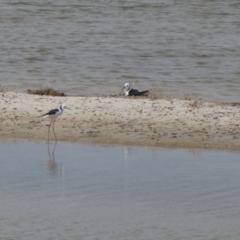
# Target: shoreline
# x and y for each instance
(126, 121)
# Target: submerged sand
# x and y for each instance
(131, 121)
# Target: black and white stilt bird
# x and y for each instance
(53, 114)
(128, 91)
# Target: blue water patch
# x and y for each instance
(83, 191)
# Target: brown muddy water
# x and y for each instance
(88, 192)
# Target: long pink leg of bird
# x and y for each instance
(54, 129)
(49, 129)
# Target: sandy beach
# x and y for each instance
(132, 121)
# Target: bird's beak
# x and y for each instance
(68, 108)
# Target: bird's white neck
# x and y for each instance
(126, 90)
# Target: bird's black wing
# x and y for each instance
(51, 112)
(144, 92)
(135, 92)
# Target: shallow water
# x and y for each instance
(117, 192)
(93, 47)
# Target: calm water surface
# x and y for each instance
(92, 47)
(116, 192)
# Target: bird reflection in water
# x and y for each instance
(52, 165)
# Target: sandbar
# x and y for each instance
(166, 122)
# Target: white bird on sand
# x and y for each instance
(128, 91)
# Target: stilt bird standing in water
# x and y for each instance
(53, 114)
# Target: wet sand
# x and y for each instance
(131, 121)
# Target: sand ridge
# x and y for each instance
(131, 121)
